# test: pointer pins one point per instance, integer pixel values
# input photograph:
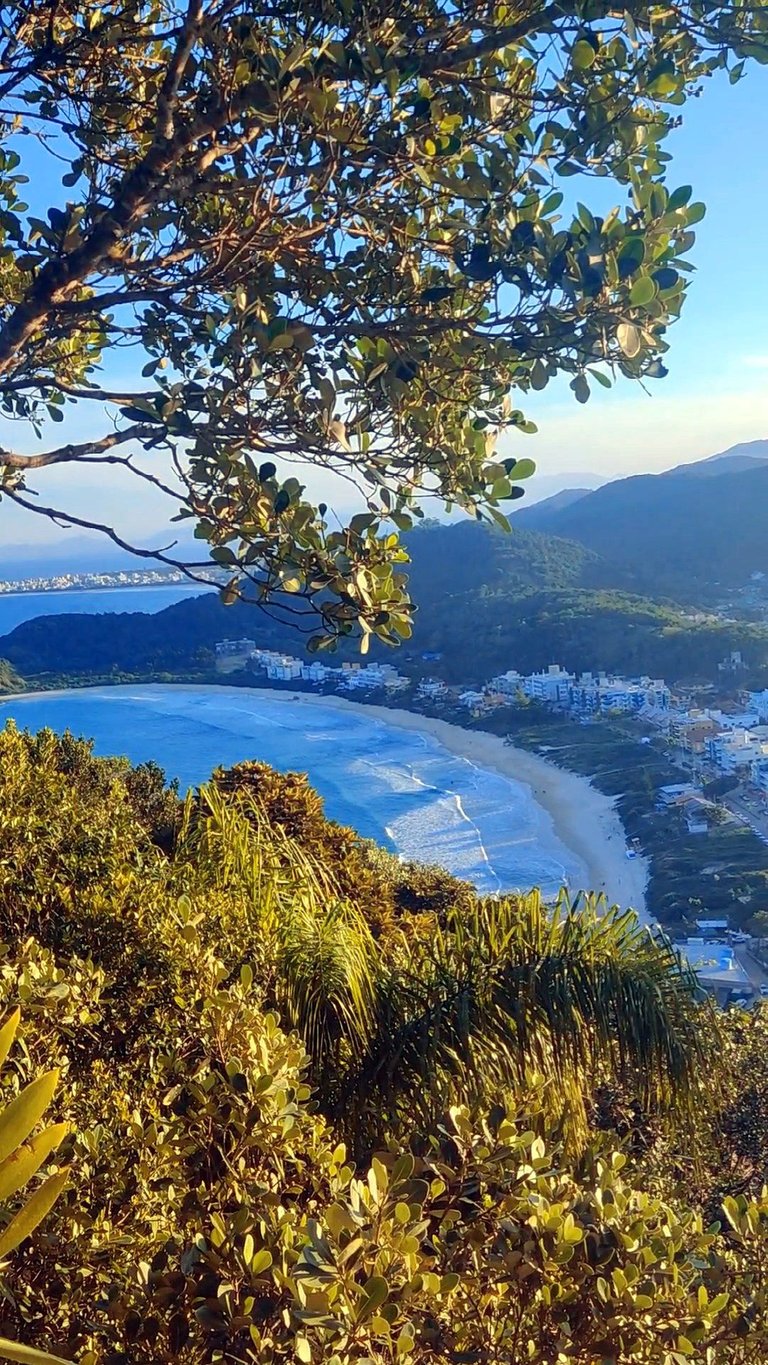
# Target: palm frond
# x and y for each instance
(513, 988)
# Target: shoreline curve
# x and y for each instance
(583, 818)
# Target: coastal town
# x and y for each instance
(88, 581)
(719, 750)
(727, 740)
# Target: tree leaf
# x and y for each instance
(33, 1212)
(583, 55)
(27, 1355)
(643, 291)
(628, 337)
(20, 1116)
(21, 1165)
(8, 1033)
(375, 1294)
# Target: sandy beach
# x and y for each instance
(583, 818)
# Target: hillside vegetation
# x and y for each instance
(686, 534)
(325, 1108)
(518, 600)
(9, 678)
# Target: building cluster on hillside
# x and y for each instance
(350, 677)
(585, 694)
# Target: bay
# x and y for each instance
(16, 608)
(397, 786)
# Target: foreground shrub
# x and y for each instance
(214, 1215)
(295, 1135)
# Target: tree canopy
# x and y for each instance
(332, 235)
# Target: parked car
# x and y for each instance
(764, 990)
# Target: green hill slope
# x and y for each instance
(9, 678)
(671, 534)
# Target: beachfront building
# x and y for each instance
(676, 794)
(317, 672)
(718, 971)
(735, 751)
(509, 684)
(551, 686)
(729, 717)
(432, 689)
(633, 694)
(228, 648)
(372, 676)
(691, 730)
(283, 669)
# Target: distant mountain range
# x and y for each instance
(688, 533)
(603, 578)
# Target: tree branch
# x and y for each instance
(68, 454)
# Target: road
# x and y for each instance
(749, 809)
(758, 976)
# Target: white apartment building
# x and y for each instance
(433, 689)
(623, 694)
(734, 720)
(508, 684)
(373, 675)
(317, 672)
(734, 750)
(551, 686)
(229, 647)
(284, 670)
(758, 702)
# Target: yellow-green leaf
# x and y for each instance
(33, 1212)
(21, 1115)
(376, 1291)
(22, 1164)
(583, 55)
(8, 1033)
(27, 1355)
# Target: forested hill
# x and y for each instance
(487, 602)
(679, 534)
(9, 678)
(450, 564)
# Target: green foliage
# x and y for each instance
(9, 678)
(224, 1202)
(371, 310)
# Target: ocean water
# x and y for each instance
(393, 785)
(24, 606)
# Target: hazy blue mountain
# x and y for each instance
(731, 461)
(671, 534)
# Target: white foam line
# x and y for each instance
(454, 796)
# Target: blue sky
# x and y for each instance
(716, 393)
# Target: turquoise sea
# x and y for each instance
(393, 785)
